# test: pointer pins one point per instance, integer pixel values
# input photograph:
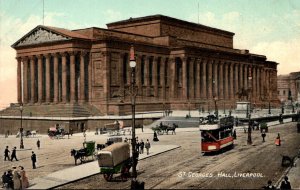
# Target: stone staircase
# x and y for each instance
(53, 110)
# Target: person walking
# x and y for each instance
(24, 178)
(263, 135)
(285, 184)
(142, 145)
(234, 134)
(277, 140)
(147, 146)
(33, 159)
(14, 154)
(16, 179)
(38, 143)
(155, 137)
(6, 154)
(137, 146)
(269, 186)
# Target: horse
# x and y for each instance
(173, 128)
(78, 154)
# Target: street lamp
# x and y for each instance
(21, 128)
(132, 65)
(249, 140)
(282, 106)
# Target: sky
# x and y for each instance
(268, 27)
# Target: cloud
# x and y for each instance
(12, 29)
(286, 53)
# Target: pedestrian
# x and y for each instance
(71, 132)
(277, 140)
(263, 135)
(137, 146)
(269, 186)
(16, 179)
(142, 145)
(155, 137)
(33, 159)
(234, 134)
(38, 143)
(14, 154)
(4, 180)
(147, 146)
(24, 178)
(6, 154)
(285, 184)
(9, 176)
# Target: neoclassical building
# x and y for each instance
(289, 87)
(180, 65)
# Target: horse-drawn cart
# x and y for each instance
(87, 150)
(115, 159)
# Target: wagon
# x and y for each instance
(115, 159)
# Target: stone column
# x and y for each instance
(172, 83)
(163, 77)
(245, 77)
(147, 75)
(204, 79)
(106, 78)
(226, 76)
(258, 85)
(241, 81)
(25, 79)
(32, 79)
(47, 83)
(40, 78)
(155, 75)
(191, 76)
(55, 76)
(210, 79)
(72, 76)
(231, 89)
(198, 80)
(184, 78)
(254, 82)
(215, 80)
(121, 71)
(82, 76)
(221, 84)
(139, 74)
(236, 80)
(64, 76)
(19, 80)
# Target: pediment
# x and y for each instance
(40, 35)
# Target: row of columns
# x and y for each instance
(199, 78)
(28, 83)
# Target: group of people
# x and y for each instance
(285, 184)
(15, 178)
(14, 155)
(140, 145)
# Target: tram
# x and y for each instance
(216, 134)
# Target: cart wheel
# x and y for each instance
(108, 177)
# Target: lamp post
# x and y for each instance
(21, 128)
(282, 106)
(249, 139)
(132, 65)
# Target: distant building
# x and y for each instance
(289, 87)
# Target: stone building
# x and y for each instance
(180, 65)
(289, 87)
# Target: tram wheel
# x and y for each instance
(108, 177)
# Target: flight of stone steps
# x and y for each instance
(57, 110)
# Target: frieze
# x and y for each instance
(41, 36)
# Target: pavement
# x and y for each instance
(293, 174)
(75, 173)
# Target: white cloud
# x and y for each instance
(286, 53)
(12, 29)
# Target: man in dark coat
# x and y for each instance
(14, 154)
(33, 159)
(38, 143)
(6, 153)
(285, 184)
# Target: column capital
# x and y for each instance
(155, 59)
(48, 55)
(63, 54)
(183, 58)
(105, 53)
(83, 53)
(31, 57)
(72, 53)
(19, 59)
(56, 54)
(39, 56)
